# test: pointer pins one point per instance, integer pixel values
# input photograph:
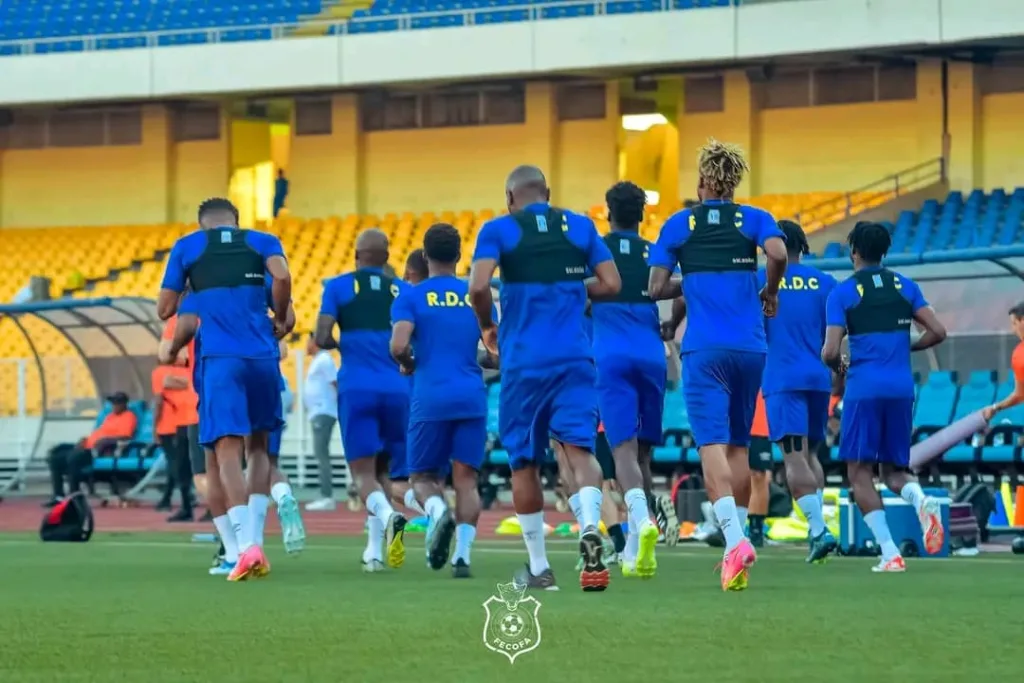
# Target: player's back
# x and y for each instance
(449, 382)
(797, 332)
(715, 246)
(360, 302)
(627, 326)
(877, 306)
(225, 268)
(542, 253)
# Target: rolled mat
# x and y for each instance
(944, 439)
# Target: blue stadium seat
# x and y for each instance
(935, 401)
(498, 456)
(978, 392)
(667, 454)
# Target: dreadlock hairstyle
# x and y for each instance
(870, 240)
(796, 240)
(626, 202)
(721, 167)
(217, 205)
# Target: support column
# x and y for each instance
(542, 127)
(964, 164)
(327, 172)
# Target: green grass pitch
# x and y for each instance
(138, 608)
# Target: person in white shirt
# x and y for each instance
(320, 398)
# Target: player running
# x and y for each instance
(875, 308)
(797, 386)
(630, 360)
(723, 351)
(225, 267)
(548, 374)
(373, 395)
(447, 416)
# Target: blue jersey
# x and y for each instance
(879, 361)
(229, 296)
(449, 382)
(722, 308)
(542, 324)
(366, 362)
(797, 333)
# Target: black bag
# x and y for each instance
(68, 521)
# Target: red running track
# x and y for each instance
(26, 514)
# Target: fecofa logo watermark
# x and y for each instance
(512, 627)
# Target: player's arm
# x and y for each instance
(671, 326)
(485, 262)
(1016, 397)
(173, 285)
(323, 333)
(606, 281)
(835, 330)
(402, 325)
(772, 241)
(662, 259)
(924, 315)
(277, 266)
(184, 332)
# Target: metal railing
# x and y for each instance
(869, 196)
(341, 27)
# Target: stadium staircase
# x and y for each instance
(333, 10)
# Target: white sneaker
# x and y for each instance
(321, 505)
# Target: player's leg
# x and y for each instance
(216, 499)
(393, 421)
(224, 424)
(468, 445)
(862, 433)
(708, 404)
(523, 430)
(567, 481)
(293, 531)
(759, 459)
(429, 449)
(894, 459)
(611, 515)
(573, 422)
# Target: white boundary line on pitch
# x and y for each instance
(488, 547)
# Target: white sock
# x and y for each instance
(639, 513)
(412, 503)
(464, 535)
(590, 507)
(821, 499)
(811, 507)
(374, 538)
(533, 534)
(741, 512)
(632, 544)
(728, 521)
(913, 494)
(377, 505)
(227, 537)
(280, 490)
(577, 509)
(880, 530)
(435, 507)
(258, 504)
(241, 523)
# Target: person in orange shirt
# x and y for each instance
(174, 407)
(72, 460)
(1017, 365)
(760, 458)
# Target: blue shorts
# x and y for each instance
(434, 444)
(247, 399)
(797, 413)
(721, 388)
(274, 443)
(541, 403)
(631, 399)
(877, 430)
(372, 423)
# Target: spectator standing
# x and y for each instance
(280, 192)
(72, 460)
(174, 409)
(320, 398)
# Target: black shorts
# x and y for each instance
(196, 453)
(760, 456)
(603, 453)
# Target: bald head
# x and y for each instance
(371, 249)
(526, 185)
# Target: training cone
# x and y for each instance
(509, 527)
(1000, 516)
(417, 525)
(564, 530)
(1018, 507)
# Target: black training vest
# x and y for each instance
(370, 308)
(630, 252)
(544, 254)
(715, 243)
(881, 308)
(227, 261)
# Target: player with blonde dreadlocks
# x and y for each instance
(715, 246)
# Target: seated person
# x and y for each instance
(72, 460)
